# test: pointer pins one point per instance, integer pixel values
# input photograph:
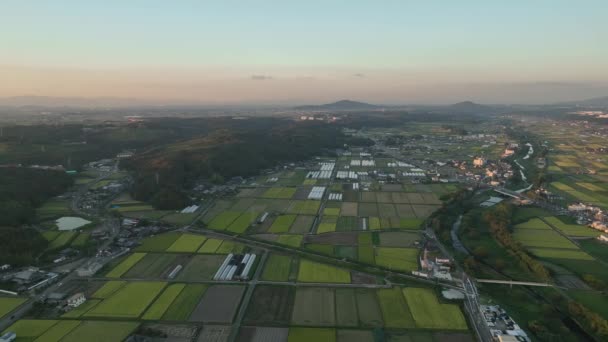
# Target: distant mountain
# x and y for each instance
(468, 107)
(49, 101)
(593, 102)
(341, 105)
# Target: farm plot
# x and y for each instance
(62, 240)
(210, 246)
(8, 304)
(58, 331)
(201, 268)
(370, 314)
(302, 224)
(345, 335)
(100, 331)
(542, 238)
(534, 223)
(552, 253)
(423, 211)
(219, 304)
(279, 193)
(282, 223)
(311, 334)
(571, 229)
(277, 268)
(214, 333)
(187, 243)
(158, 243)
(429, 313)
(308, 207)
(346, 308)
(312, 272)
(349, 209)
(109, 288)
(52, 209)
(405, 211)
(347, 223)
(368, 209)
(263, 334)
(82, 309)
(290, 240)
(328, 224)
(29, 329)
(270, 305)
(402, 259)
(126, 265)
(183, 305)
(395, 311)
(162, 303)
(223, 220)
(243, 222)
(228, 247)
(314, 306)
(153, 265)
(386, 210)
(128, 302)
(398, 239)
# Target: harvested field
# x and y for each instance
(349, 209)
(214, 333)
(424, 211)
(302, 224)
(369, 309)
(355, 336)
(314, 306)
(270, 305)
(386, 210)
(398, 239)
(201, 268)
(346, 308)
(219, 304)
(337, 238)
(368, 209)
(405, 210)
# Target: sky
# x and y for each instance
(293, 52)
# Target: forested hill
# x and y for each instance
(225, 153)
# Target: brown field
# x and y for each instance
(398, 239)
(386, 210)
(384, 197)
(415, 198)
(302, 224)
(355, 336)
(214, 333)
(431, 199)
(349, 209)
(368, 209)
(200, 268)
(405, 211)
(346, 308)
(219, 304)
(369, 308)
(270, 305)
(368, 197)
(302, 193)
(263, 334)
(400, 197)
(314, 306)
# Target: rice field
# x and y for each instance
(429, 313)
(183, 305)
(8, 304)
(158, 243)
(162, 303)
(124, 266)
(553, 253)
(542, 238)
(128, 302)
(101, 331)
(401, 259)
(571, 229)
(210, 246)
(187, 243)
(277, 268)
(279, 193)
(282, 223)
(313, 272)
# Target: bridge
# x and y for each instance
(510, 193)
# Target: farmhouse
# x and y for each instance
(76, 300)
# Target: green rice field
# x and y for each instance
(312, 272)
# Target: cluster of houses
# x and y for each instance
(28, 279)
(502, 327)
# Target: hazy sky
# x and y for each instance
(306, 51)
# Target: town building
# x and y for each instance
(76, 300)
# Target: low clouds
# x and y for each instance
(261, 77)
